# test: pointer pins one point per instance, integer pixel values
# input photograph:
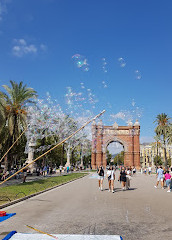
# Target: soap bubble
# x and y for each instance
(104, 84)
(133, 103)
(138, 75)
(122, 62)
(82, 85)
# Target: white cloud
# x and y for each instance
(21, 48)
(119, 115)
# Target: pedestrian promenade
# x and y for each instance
(141, 213)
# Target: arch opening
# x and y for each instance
(115, 153)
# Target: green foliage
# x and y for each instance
(119, 158)
(87, 159)
(108, 157)
(162, 131)
(157, 160)
(13, 114)
(55, 157)
(169, 161)
(29, 188)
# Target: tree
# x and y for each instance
(162, 131)
(119, 158)
(157, 160)
(157, 145)
(13, 112)
(108, 157)
(53, 158)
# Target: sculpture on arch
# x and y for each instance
(128, 136)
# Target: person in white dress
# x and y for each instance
(128, 178)
(111, 178)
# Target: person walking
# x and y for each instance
(149, 170)
(167, 177)
(128, 178)
(67, 169)
(44, 170)
(24, 174)
(160, 177)
(101, 177)
(134, 170)
(48, 169)
(141, 170)
(111, 178)
(122, 178)
(60, 167)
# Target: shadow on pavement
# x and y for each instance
(120, 189)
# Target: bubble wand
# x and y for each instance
(54, 146)
(42, 232)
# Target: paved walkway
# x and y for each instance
(81, 208)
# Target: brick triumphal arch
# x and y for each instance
(128, 136)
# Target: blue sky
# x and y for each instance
(38, 39)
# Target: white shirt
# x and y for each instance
(110, 172)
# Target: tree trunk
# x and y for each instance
(68, 153)
(6, 164)
(82, 163)
(165, 155)
(157, 149)
(63, 155)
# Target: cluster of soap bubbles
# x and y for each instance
(132, 113)
(47, 119)
(91, 98)
(73, 99)
(80, 101)
(80, 62)
(122, 64)
(104, 65)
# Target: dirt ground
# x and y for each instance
(81, 208)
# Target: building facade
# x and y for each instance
(149, 151)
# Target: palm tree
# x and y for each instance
(13, 111)
(156, 145)
(162, 131)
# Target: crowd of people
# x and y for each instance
(164, 178)
(124, 177)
